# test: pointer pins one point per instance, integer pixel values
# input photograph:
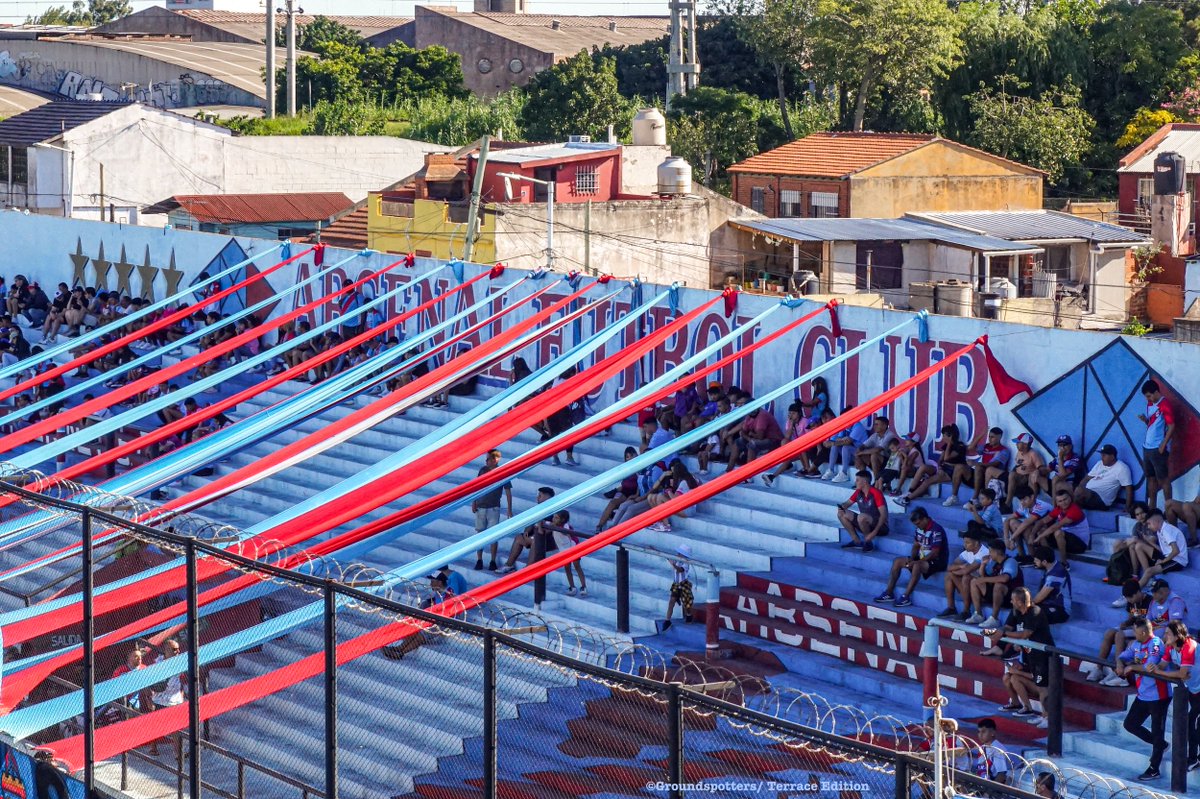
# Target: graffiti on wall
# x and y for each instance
(8, 67)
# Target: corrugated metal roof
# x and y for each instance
(239, 65)
(349, 232)
(547, 152)
(572, 34)
(1182, 139)
(252, 25)
(15, 101)
(255, 208)
(1035, 226)
(832, 155)
(843, 229)
(50, 120)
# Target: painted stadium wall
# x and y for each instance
(1085, 384)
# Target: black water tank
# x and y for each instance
(1169, 173)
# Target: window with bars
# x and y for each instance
(19, 158)
(824, 204)
(585, 180)
(790, 203)
(758, 199)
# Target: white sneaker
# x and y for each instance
(1114, 682)
(1108, 672)
(583, 592)
(828, 474)
(990, 623)
(1039, 722)
(1093, 672)
(968, 504)
(842, 477)
(570, 591)
(704, 471)
(1119, 602)
(951, 501)
(974, 618)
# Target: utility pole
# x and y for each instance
(291, 10)
(549, 184)
(102, 192)
(476, 191)
(270, 81)
(683, 64)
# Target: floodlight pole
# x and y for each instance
(549, 184)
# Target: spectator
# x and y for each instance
(1189, 512)
(876, 450)
(1181, 657)
(1137, 603)
(656, 434)
(1153, 696)
(1165, 606)
(842, 449)
(486, 507)
(959, 574)
(953, 454)
(1019, 528)
(1029, 668)
(870, 520)
(673, 482)
(1122, 564)
(985, 515)
(1054, 593)
(1066, 525)
(1099, 489)
(1160, 427)
(759, 435)
(524, 540)
(133, 662)
(1171, 554)
(819, 402)
(565, 538)
(17, 297)
(1064, 471)
(687, 407)
(903, 461)
(1027, 466)
(681, 586)
(795, 427)
(628, 489)
(990, 761)
(991, 463)
(170, 692)
(998, 577)
(456, 584)
(814, 461)
(1045, 786)
(928, 557)
(712, 447)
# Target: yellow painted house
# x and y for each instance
(436, 228)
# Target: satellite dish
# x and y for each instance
(508, 189)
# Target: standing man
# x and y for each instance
(1181, 654)
(486, 507)
(871, 518)
(1160, 426)
(1141, 658)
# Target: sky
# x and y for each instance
(15, 11)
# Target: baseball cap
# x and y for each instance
(684, 549)
(1024, 438)
(1108, 449)
(1064, 439)
(714, 384)
(1158, 584)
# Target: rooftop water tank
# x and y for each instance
(649, 128)
(675, 176)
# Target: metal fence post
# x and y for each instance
(622, 590)
(193, 671)
(674, 742)
(1054, 708)
(331, 692)
(902, 777)
(712, 616)
(89, 656)
(539, 552)
(1179, 739)
(490, 774)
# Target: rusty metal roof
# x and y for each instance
(256, 208)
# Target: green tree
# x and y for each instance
(460, 121)
(1051, 131)
(322, 79)
(713, 129)
(865, 46)
(575, 96)
(1145, 122)
(399, 73)
(344, 118)
(93, 12)
(322, 31)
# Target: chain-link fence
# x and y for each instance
(323, 680)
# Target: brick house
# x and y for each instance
(881, 175)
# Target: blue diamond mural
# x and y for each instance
(1098, 402)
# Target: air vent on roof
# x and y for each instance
(612, 24)
(577, 139)
(555, 24)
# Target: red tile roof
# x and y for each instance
(349, 232)
(832, 155)
(253, 208)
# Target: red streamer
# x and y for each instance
(1005, 385)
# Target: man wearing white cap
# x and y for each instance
(1026, 466)
(681, 587)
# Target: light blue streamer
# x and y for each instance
(67, 346)
(154, 354)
